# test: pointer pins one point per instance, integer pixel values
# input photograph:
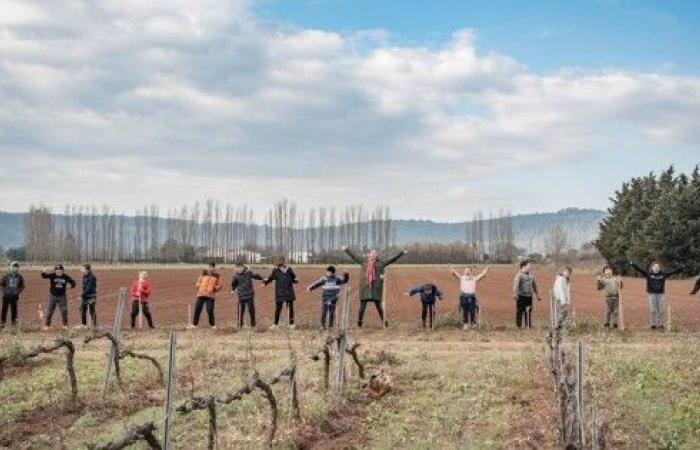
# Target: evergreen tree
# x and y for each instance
(654, 218)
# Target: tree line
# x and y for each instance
(654, 218)
(203, 231)
(210, 230)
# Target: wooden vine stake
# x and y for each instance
(116, 327)
(169, 392)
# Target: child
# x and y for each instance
(562, 294)
(428, 294)
(208, 284)
(12, 285)
(88, 298)
(285, 279)
(140, 291)
(242, 284)
(611, 286)
(524, 287)
(372, 280)
(468, 301)
(330, 289)
(656, 288)
(696, 288)
(59, 281)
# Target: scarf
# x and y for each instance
(371, 271)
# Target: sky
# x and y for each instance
(437, 109)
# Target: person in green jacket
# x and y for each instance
(372, 280)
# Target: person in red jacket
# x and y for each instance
(140, 291)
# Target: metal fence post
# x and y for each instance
(116, 327)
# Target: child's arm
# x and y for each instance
(482, 275)
(293, 276)
(516, 285)
(673, 272)
(315, 285)
(454, 272)
(234, 283)
(438, 293)
(70, 281)
(269, 279)
(413, 291)
(639, 269)
(257, 276)
(346, 278)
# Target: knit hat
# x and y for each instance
(14, 264)
(87, 266)
(330, 269)
(58, 267)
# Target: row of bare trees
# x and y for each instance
(492, 238)
(207, 230)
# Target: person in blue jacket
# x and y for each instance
(429, 294)
(330, 285)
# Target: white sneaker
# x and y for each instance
(44, 328)
(292, 327)
(81, 327)
(64, 328)
(465, 327)
(213, 327)
(190, 327)
(273, 327)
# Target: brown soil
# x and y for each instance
(174, 292)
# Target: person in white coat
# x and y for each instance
(562, 294)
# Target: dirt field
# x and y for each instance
(173, 291)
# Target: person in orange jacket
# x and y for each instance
(140, 291)
(208, 284)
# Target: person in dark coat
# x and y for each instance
(88, 299)
(372, 280)
(285, 279)
(12, 285)
(242, 285)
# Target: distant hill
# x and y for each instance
(530, 229)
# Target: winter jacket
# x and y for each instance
(610, 286)
(656, 282)
(372, 291)
(208, 285)
(696, 288)
(12, 284)
(89, 286)
(140, 290)
(428, 293)
(242, 283)
(562, 290)
(58, 284)
(284, 279)
(330, 287)
(524, 285)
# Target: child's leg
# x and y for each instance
(53, 302)
(93, 312)
(290, 311)
(278, 311)
(198, 305)
(147, 314)
(134, 312)
(210, 312)
(331, 313)
(83, 311)
(242, 305)
(424, 313)
(63, 307)
(251, 311)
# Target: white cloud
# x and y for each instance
(163, 98)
